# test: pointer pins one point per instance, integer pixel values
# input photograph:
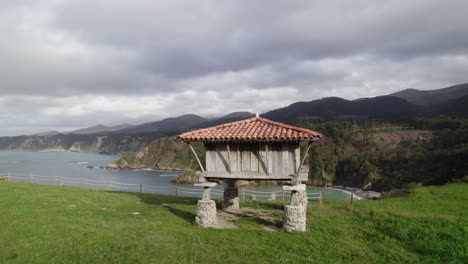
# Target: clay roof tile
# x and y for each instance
(251, 129)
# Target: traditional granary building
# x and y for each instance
(251, 149)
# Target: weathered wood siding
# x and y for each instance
(257, 158)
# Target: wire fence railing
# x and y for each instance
(244, 194)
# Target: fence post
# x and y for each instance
(31, 178)
(282, 195)
(243, 194)
(176, 191)
(320, 198)
(56, 180)
(352, 194)
(141, 188)
(9, 177)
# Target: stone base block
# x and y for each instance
(294, 218)
(231, 198)
(206, 213)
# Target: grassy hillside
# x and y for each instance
(53, 224)
(164, 153)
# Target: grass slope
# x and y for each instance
(52, 224)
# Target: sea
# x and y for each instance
(87, 170)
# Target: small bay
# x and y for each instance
(69, 168)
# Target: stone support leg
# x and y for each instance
(206, 213)
(231, 198)
(302, 197)
(294, 218)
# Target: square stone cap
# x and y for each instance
(299, 187)
(206, 184)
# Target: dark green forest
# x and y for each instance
(385, 156)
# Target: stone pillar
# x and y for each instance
(294, 216)
(206, 214)
(206, 208)
(231, 198)
(302, 196)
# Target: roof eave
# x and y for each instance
(249, 140)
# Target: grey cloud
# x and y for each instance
(202, 37)
(78, 63)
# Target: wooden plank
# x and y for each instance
(276, 159)
(229, 158)
(245, 155)
(254, 158)
(196, 156)
(210, 160)
(210, 157)
(238, 157)
(286, 168)
(221, 158)
(294, 159)
(261, 160)
(267, 158)
(233, 157)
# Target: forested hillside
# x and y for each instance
(383, 157)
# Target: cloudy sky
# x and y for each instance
(71, 64)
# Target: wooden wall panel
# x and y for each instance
(283, 159)
(210, 157)
(254, 158)
(221, 158)
(262, 159)
(234, 166)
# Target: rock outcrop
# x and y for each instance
(80, 143)
(163, 154)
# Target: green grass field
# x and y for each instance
(54, 224)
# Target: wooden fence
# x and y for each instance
(244, 194)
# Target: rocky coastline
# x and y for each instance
(359, 194)
(113, 166)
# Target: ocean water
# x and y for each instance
(72, 169)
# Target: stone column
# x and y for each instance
(294, 216)
(231, 197)
(206, 208)
(302, 196)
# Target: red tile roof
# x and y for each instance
(252, 129)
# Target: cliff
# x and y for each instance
(164, 153)
(81, 143)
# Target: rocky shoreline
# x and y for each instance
(359, 194)
(188, 177)
(113, 166)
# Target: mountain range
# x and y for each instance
(449, 101)
(433, 97)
